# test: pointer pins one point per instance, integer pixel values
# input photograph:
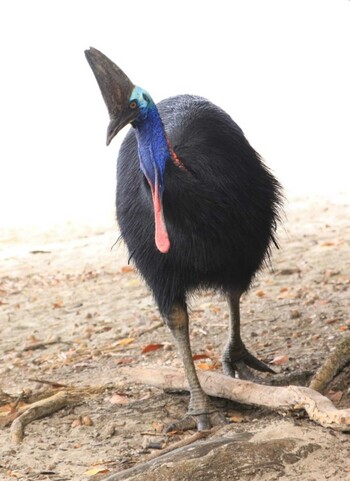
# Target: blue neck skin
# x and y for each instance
(153, 147)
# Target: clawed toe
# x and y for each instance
(256, 364)
(242, 363)
(201, 422)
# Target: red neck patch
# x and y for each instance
(174, 157)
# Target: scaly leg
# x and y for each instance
(201, 413)
(236, 357)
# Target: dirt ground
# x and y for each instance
(68, 290)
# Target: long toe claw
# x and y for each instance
(242, 362)
(203, 422)
(186, 423)
(245, 373)
(256, 364)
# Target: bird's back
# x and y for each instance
(220, 205)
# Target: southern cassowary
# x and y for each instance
(197, 208)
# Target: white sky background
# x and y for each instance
(280, 68)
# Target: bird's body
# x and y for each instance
(220, 204)
(196, 207)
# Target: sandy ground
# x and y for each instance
(68, 287)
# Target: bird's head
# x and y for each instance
(125, 102)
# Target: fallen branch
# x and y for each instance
(38, 410)
(54, 401)
(319, 408)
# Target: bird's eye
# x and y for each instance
(133, 105)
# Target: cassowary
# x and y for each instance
(197, 208)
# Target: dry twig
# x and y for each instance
(42, 344)
(180, 444)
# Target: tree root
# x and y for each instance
(336, 361)
(151, 460)
(319, 408)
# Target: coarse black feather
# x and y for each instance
(221, 210)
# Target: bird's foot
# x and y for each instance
(241, 361)
(201, 422)
(201, 415)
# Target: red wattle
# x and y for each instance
(161, 233)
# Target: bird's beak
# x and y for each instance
(116, 89)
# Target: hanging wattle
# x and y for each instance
(161, 232)
(154, 152)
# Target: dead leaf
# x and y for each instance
(127, 269)
(6, 420)
(280, 360)
(343, 328)
(58, 303)
(236, 419)
(197, 357)
(6, 409)
(175, 433)
(286, 295)
(158, 427)
(121, 399)
(87, 421)
(125, 341)
(215, 309)
(335, 396)
(93, 471)
(327, 244)
(13, 474)
(204, 366)
(8, 413)
(260, 293)
(151, 348)
(125, 360)
(76, 423)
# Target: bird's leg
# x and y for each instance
(236, 357)
(201, 413)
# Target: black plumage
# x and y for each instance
(221, 212)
